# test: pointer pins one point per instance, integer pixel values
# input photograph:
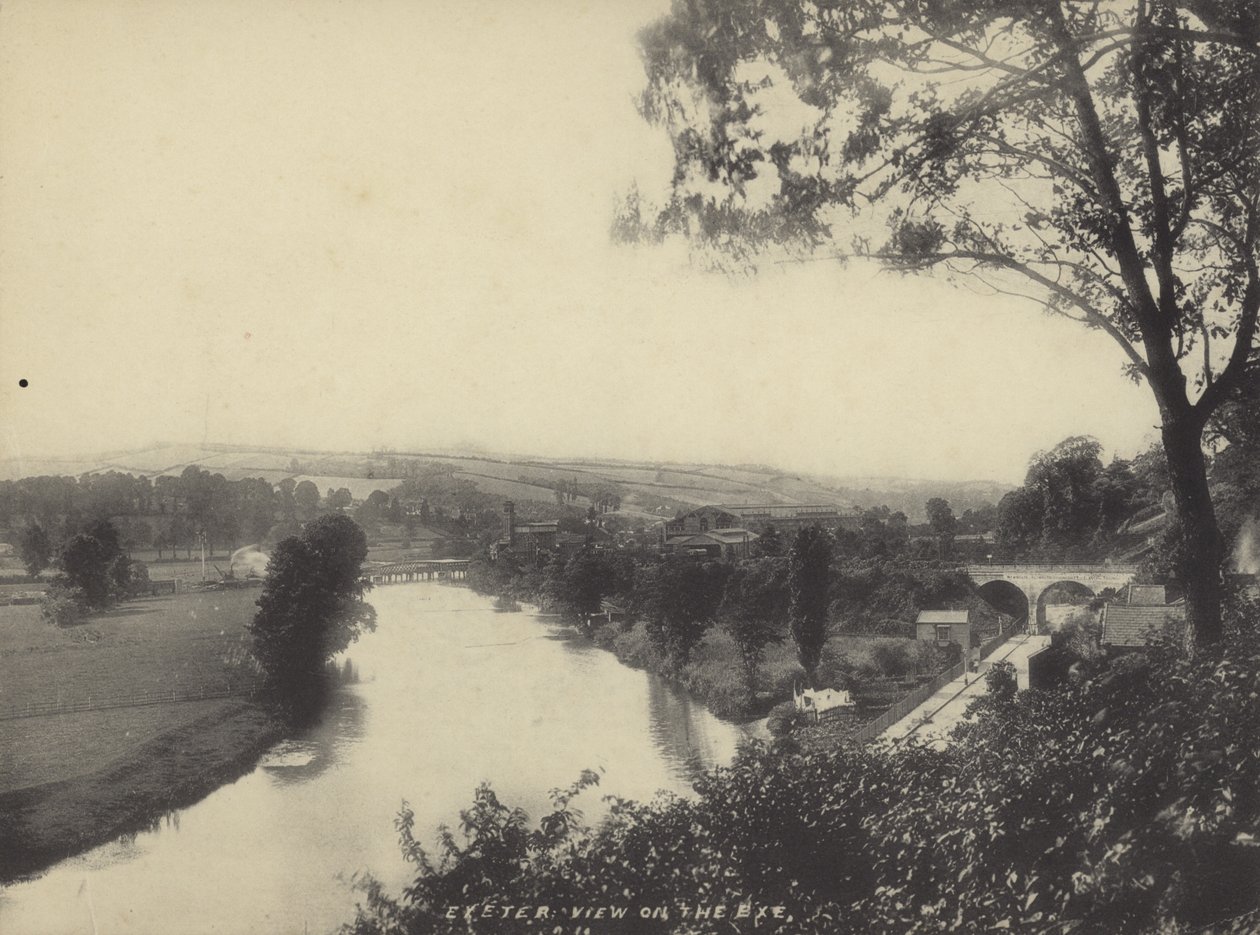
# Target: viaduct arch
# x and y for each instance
(1033, 580)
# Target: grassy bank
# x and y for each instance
(715, 674)
(183, 642)
(44, 823)
(74, 780)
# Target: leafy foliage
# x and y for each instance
(809, 587)
(1099, 159)
(753, 607)
(93, 564)
(310, 609)
(680, 600)
(34, 549)
(1128, 802)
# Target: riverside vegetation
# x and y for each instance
(1125, 801)
(95, 774)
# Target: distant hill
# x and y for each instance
(647, 490)
(910, 495)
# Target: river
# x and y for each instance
(451, 694)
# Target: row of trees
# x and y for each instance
(819, 583)
(166, 512)
(1073, 507)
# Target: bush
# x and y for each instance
(633, 647)
(1002, 682)
(783, 718)
(1127, 803)
(62, 606)
(715, 673)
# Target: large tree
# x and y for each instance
(1100, 158)
(944, 524)
(35, 549)
(88, 561)
(754, 608)
(809, 593)
(311, 608)
(681, 598)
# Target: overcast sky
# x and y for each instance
(345, 225)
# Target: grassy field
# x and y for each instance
(70, 781)
(187, 641)
(50, 749)
(183, 642)
(184, 761)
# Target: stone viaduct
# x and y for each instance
(1034, 579)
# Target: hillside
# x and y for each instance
(647, 490)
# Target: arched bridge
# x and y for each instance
(1034, 579)
(425, 569)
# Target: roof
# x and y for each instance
(714, 537)
(1147, 595)
(784, 510)
(730, 536)
(527, 528)
(943, 616)
(1134, 625)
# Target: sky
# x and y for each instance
(344, 226)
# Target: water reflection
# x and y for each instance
(322, 747)
(451, 693)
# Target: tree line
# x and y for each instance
(799, 589)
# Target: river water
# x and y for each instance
(451, 694)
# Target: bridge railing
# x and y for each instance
(1036, 568)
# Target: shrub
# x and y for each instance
(895, 658)
(62, 606)
(1002, 681)
(783, 718)
(633, 647)
(715, 673)
(1127, 803)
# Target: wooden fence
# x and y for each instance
(872, 729)
(131, 700)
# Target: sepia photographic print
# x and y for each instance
(667, 466)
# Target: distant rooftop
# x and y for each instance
(943, 616)
(1147, 595)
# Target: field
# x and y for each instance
(692, 484)
(181, 643)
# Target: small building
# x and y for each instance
(1143, 615)
(943, 627)
(787, 518)
(728, 545)
(821, 702)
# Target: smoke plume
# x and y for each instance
(248, 561)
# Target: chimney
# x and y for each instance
(509, 519)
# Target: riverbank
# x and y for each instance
(43, 824)
(99, 764)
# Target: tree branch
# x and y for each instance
(1092, 315)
